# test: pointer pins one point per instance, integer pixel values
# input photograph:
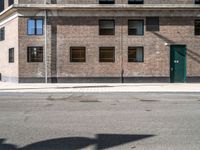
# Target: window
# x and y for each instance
(135, 54)
(35, 27)
(197, 27)
(53, 1)
(106, 27)
(152, 24)
(77, 54)
(35, 54)
(197, 1)
(106, 54)
(11, 55)
(10, 2)
(106, 1)
(1, 5)
(135, 27)
(136, 1)
(2, 34)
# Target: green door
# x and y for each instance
(178, 63)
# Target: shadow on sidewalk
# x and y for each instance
(102, 141)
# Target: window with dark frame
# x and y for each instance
(107, 54)
(152, 24)
(135, 54)
(1, 5)
(135, 1)
(135, 27)
(2, 34)
(197, 27)
(197, 1)
(11, 55)
(106, 27)
(53, 1)
(35, 54)
(35, 27)
(106, 1)
(10, 2)
(77, 54)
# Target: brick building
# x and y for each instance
(100, 40)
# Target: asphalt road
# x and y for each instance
(118, 121)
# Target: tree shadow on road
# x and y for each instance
(102, 141)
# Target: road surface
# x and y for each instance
(89, 121)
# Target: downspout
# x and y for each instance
(45, 45)
(121, 47)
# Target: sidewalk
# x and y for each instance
(99, 87)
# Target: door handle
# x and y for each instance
(176, 61)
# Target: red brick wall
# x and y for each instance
(77, 31)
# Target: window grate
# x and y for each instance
(77, 54)
(107, 54)
(35, 54)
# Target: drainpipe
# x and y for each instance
(121, 47)
(45, 45)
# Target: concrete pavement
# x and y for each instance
(99, 87)
(99, 121)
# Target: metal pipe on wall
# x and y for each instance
(45, 46)
(121, 47)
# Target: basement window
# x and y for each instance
(35, 54)
(11, 55)
(136, 1)
(106, 27)
(53, 1)
(77, 54)
(106, 1)
(2, 34)
(107, 54)
(135, 54)
(35, 27)
(197, 1)
(197, 27)
(135, 27)
(152, 24)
